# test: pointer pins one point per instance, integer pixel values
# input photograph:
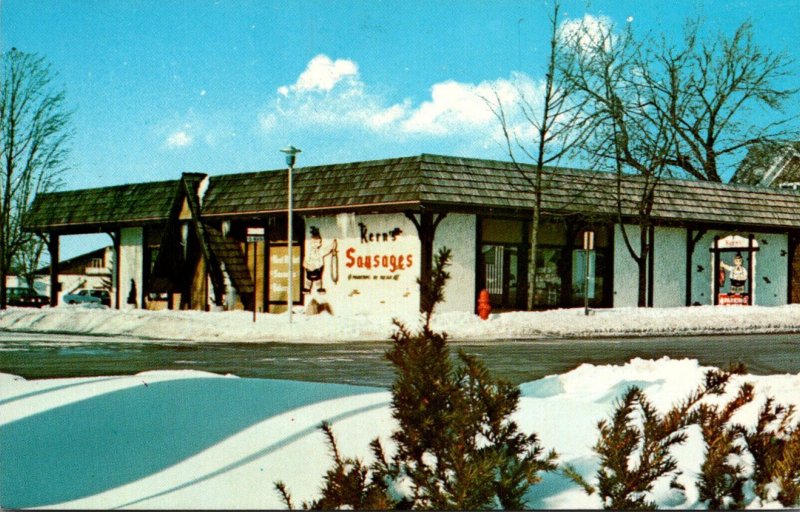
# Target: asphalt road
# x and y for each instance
(36, 356)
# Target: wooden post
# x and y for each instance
(750, 267)
(716, 272)
(255, 281)
(426, 230)
(115, 237)
(52, 248)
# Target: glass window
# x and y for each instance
(501, 231)
(551, 233)
(548, 276)
(597, 271)
(500, 273)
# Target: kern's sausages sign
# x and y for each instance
(389, 259)
(362, 263)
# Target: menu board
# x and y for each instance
(279, 273)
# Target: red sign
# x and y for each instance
(733, 299)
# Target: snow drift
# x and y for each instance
(198, 440)
(238, 326)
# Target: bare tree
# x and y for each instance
(628, 135)
(711, 92)
(34, 131)
(559, 127)
(26, 260)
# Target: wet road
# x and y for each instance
(36, 356)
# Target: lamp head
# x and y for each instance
(291, 154)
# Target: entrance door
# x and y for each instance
(500, 270)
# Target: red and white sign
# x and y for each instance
(733, 299)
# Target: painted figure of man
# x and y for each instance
(738, 274)
(314, 261)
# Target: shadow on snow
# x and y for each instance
(100, 443)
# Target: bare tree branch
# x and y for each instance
(34, 137)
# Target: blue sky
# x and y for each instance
(162, 87)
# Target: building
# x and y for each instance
(89, 271)
(365, 232)
(771, 165)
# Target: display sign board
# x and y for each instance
(255, 235)
(734, 259)
(588, 240)
(279, 273)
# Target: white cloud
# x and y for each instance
(330, 94)
(588, 31)
(179, 139)
(322, 74)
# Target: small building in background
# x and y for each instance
(90, 271)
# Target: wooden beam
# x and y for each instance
(426, 230)
(212, 265)
(53, 249)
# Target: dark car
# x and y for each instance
(26, 297)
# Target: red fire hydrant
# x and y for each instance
(484, 306)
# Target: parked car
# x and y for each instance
(25, 297)
(88, 296)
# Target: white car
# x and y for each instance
(88, 297)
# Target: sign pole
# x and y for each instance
(289, 252)
(586, 285)
(291, 154)
(588, 245)
(255, 281)
(255, 235)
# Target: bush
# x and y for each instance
(722, 474)
(456, 446)
(635, 449)
(775, 446)
(635, 443)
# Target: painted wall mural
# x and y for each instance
(361, 264)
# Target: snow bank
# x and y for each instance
(198, 440)
(238, 326)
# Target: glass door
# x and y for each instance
(500, 269)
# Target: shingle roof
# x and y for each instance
(769, 164)
(134, 204)
(448, 182)
(326, 186)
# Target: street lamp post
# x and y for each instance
(291, 155)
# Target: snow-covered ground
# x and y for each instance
(198, 440)
(238, 326)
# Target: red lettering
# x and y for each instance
(391, 262)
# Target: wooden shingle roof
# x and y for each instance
(448, 183)
(360, 184)
(85, 210)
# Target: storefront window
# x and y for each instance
(597, 271)
(502, 231)
(548, 276)
(500, 269)
(560, 266)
